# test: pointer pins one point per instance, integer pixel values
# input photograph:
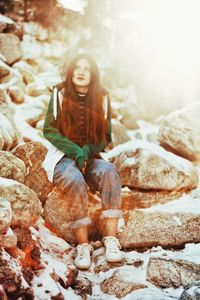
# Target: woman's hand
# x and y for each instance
(84, 167)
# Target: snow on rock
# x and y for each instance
(58, 272)
(148, 166)
(180, 132)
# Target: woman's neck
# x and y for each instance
(81, 89)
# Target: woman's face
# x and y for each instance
(82, 73)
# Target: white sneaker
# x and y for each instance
(83, 260)
(112, 245)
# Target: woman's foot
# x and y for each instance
(83, 260)
(112, 245)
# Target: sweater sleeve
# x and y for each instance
(96, 148)
(61, 142)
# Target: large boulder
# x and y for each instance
(169, 225)
(180, 132)
(12, 167)
(56, 214)
(147, 166)
(10, 47)
(33, 154)
(26, 207)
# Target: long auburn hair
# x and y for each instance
(68, 120)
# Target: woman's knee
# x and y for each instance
(69, 179)
(111, 174)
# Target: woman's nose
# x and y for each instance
(81, 71)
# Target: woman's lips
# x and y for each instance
(80, 78)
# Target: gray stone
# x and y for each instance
(119, 284)
(166, 273)
(26, 207)
(191, 292)
(12, 167)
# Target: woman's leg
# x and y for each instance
(102, 176)
(71, 182)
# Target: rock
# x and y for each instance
(11, 278)
(2, 293)
(147, 166)
(83, 287)
(9, 135)
(146, 228)
(132, 199)
(182, 126)
(8, 240)
(16, 94)
(165, 273)
(191, 292)
(34, 109)
(5, 215)
(10, 47)
(36, 30)
(37, 88)
(33, 154)
(119, 135)
(56, 213)
(26, 71)
(26, 207)
(4, 69)
(7, 25)
(12, 167)
(120, 284)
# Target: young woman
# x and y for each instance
(78, 124)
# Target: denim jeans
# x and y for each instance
(99, 176)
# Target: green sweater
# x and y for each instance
(69, 148)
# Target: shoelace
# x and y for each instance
(83, 250)
(112, 243)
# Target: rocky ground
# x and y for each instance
(159, 166)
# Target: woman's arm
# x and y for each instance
(53, 135)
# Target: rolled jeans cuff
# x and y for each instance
(111, 213)
(80, 223)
